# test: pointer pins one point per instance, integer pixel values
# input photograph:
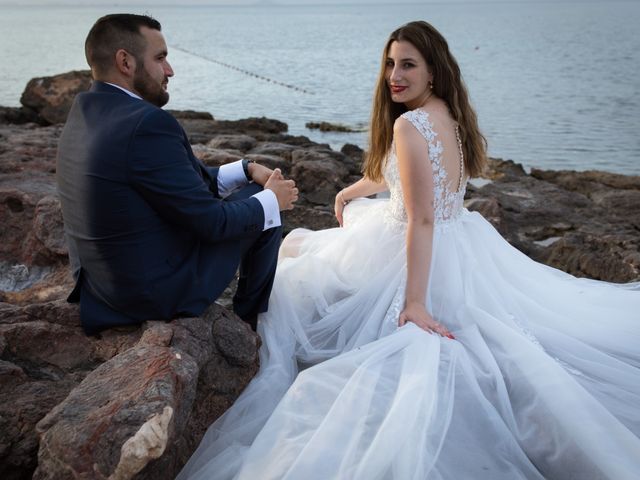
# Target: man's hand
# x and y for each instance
(259, 173)
(285, 190)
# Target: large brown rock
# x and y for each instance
(94, 398)
(203, 129)
(253, 125)
(241, 142)
(271, 161)
(281, 150)
(43, 356)
(51, 97)
(214, 157)
(319, 173)
(312, 217)
(33, 252)
(17, 115)
(28, 149)
(585, 223)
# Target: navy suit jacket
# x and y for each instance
(142, 214)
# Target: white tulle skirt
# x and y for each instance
(541, 381)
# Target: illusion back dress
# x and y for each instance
(542, 380)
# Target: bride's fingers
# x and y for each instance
(446, 333)
(427, 328)
(443, 331)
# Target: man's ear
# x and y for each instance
(125, 63)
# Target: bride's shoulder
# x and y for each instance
(413, 124)
(417, 114)
(405, 125)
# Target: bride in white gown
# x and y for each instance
(528, 372)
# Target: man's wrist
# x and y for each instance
(245, 168)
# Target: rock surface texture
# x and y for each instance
(134, 403)
(585, 223)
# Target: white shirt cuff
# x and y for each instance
(230, 177)
(271, 209)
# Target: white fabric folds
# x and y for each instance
(542, 380)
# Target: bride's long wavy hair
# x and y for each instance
(447, 84)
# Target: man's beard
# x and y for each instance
(148, 88)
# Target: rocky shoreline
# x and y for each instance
(133, 403)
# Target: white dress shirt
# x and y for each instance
(231, 177)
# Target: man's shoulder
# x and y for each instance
(115, 105)
(106, 101)
(156, 118)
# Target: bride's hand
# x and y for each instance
(338, 206)
(416, 313)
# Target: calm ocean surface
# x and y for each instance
(556, 85)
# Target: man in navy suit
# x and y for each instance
(152, 232)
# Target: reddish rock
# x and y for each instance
(28, 149)
(180, 375)
(33, 253)
(43, 356)
(83, 436)
(22, 404)
(47, 234)
(24, 218)
(57, 312)
(112, 384)
(51, 97)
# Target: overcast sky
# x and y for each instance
(230, 2)
(185, 2)
(182, 2)
(134, 3)
(190, 2)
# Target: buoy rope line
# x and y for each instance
(242, 70)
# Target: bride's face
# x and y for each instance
(407, 74)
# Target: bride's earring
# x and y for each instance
(431, 85)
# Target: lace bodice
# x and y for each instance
(447, 204)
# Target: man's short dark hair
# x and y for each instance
(112, 33)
